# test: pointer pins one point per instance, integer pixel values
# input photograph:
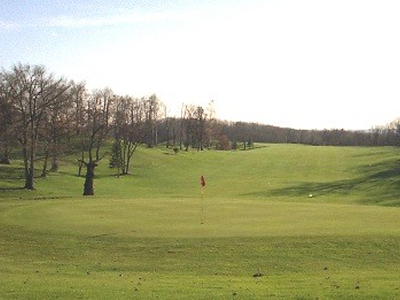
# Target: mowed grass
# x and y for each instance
(141, 236)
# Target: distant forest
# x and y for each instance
(43, 117)
(236, 135)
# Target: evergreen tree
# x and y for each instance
(116, 159)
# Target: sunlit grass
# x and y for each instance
(262, 237)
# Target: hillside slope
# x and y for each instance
(273, 172)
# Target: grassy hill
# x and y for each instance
(269, 172)
(264, 236)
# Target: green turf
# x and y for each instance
(141, 236)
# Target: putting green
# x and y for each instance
(182, 218)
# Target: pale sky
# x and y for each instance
(306, 64)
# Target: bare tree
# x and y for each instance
(188, 125)
(152, 107)
(97, 117)
(172, 127)
(77, 128)
(6, 123)
(31, 91)
(129, 123)
(200, 127)
(56, 130)
(210, 126)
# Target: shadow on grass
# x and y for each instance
(9, 172)
(8, 189)
(374, 184)
(10, 178)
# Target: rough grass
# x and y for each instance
(263, 237)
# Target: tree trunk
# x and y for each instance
(88, 189)
(126, 167)
(54, 166)
(5, 156)
(28, 166)
(46, 159)
(29, 181)
(54, 163)
(80, 164)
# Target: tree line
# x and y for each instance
(236, 132)
(44, 117)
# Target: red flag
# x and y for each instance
(202, 181)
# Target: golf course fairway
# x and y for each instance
(275, 222)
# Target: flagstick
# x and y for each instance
(202, 183)
(202, 206)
